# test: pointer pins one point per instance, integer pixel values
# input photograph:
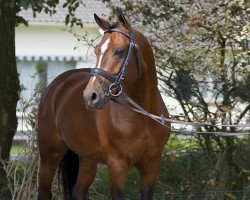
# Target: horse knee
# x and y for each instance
(148, 175)
(117, 172)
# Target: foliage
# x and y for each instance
(195, 171)
(49, 7)
(185, 174)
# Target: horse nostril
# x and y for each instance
(93, 96)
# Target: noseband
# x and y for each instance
(115, 88)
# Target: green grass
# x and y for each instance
(20, 148)
(16, 149)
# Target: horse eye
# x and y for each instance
(119, 52)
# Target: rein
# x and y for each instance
(117, 87)
(161, 119)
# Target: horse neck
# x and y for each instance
(146, 90)
(146, 86)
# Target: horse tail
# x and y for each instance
(67, 173)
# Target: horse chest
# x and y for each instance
(131, 146)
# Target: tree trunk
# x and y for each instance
(9, 81)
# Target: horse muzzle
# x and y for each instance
(94, 100)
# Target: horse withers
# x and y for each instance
(84, 118)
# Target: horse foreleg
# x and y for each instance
(117, 172)
(148, 175)
(85, 177)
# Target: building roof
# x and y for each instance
(84, 12)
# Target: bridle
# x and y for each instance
(115, 88)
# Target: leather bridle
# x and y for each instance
(115, 88)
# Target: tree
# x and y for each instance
(9, 81)
(210, 41)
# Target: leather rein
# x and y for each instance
(114, 90)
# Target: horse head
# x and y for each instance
(117, 63)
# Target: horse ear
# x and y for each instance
(122, 19)
(103, 24)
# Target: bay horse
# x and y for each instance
(81, 123)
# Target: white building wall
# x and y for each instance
(51, 40)
(53, 46)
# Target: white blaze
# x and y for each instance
(104, 47)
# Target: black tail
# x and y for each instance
(67, 173)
